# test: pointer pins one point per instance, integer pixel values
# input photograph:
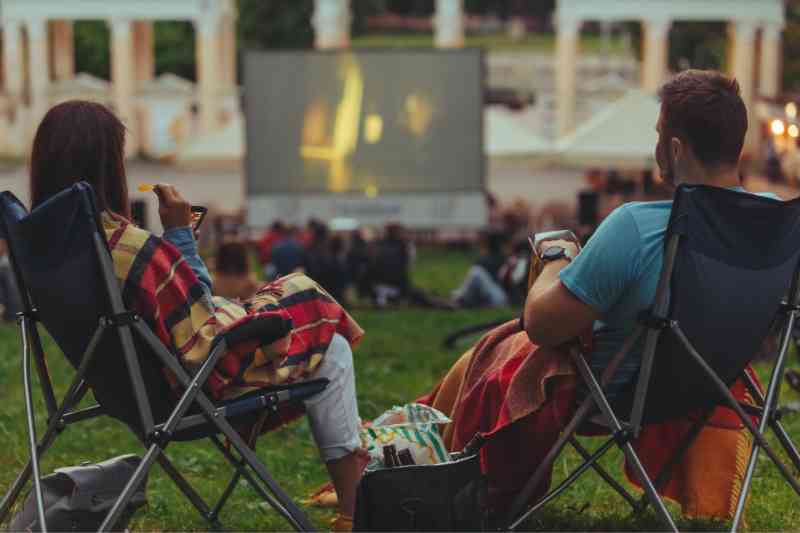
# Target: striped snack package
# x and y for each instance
(406, 445)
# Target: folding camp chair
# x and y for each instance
(729, 279)
(63, 266)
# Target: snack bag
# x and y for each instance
(406, 435)
(403, 445)
(411, 413)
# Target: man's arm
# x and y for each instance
(568, 297)
(552, 315)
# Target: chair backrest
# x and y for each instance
(56, 252)
(736, 261)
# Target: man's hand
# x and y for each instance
(174, 210)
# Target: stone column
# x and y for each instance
(331, 22)
(448, 24)
(122, 77)
(39, 71)
(63, 50)
(12, 63)
(567, 35)
(770, 69)
(207, 35)
(144, 58)
(743, 69)
(227, 56)
(656, 54)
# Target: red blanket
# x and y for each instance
(520, 397)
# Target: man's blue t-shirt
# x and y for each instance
(616, 274)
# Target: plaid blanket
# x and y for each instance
(159, 285)
(520, 397)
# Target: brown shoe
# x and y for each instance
(342, 523)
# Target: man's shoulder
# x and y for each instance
(646, 209)
(647, 215)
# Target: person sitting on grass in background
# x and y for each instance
(483, 287)
(518, 388)
(165, 281)
(232, 276)
(389, 276)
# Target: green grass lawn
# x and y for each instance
(401, 358)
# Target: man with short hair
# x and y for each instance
(701, 132)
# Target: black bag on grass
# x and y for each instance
(78, 498)
(442, 497)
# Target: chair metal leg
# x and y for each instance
(195, 499)
(47, 440)
(564, 485)
(226, 494)
(31, 419)
(273, 500)
(41, 368)
(649, 489)
(780, 432)
(613, 483)
(514, 519)
(602, 402)
(130, 487)
(787, 443)
(757, 432)
(288, 509)
(666, 470)
(252, 441)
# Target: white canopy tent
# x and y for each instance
(623, 135)
(505, 135)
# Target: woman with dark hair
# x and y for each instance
(167, 283)
(232, 276)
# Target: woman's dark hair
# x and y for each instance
(81, 141)
(232, 259)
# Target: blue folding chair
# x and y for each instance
(730, 278)
(63, 266)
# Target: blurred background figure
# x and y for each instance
(286, 256)
(233, 277)
(326, 261)
(389, 280)
(275, 234)
(482, 286)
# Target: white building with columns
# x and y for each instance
(38, 67)
(168, 116)
(755, 33)
(754, 25)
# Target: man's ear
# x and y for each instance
(676, 149)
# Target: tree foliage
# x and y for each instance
(276, 23)
(791, 47)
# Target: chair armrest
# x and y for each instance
(264, 329)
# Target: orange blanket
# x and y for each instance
(520, 397)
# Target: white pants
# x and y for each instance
(333, 413)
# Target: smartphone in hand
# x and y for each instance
(198, 214)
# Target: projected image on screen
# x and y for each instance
(364, 122)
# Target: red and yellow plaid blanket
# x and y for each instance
(159, 285)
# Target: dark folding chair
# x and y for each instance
(729, 280)
(63, 266)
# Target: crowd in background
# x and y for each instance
(374, 267)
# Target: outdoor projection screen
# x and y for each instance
(375, 136)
